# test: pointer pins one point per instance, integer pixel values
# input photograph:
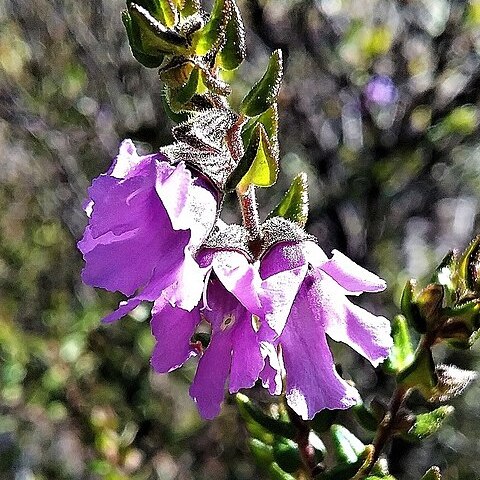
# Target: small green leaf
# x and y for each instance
(176, 117)
(155, 37)
(432, 474)
(215, 84)
(401, 354)
(134, 40)
(348, 448)
(262, 453)
(365, 417)
(169, 13)
(258, 166)
(469, 265)
(276, 473)
(323, 420)
(250, 411)
(212, 34)
(294, 205)
(264, 93)
(427, 424)
(234, 50)
(410, 309)
(347, 471)
(178, 97)
(287, 454)
(420, 374)
(189, 7)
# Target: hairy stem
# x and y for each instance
(249, 208)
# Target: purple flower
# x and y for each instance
(309, 293)
(234, 305)
(381, 90)
(144, 225)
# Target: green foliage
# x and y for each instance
(294, 204)
(347, 447)
(233, 51)
(287, 455)
(429, 423)
(401, 354)
(264, 93)
(212, 34)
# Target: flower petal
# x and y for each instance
(345, 322)
(313, 383)
(351, 276)
(208, 387)
(173, 329)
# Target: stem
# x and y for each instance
(386, 428)
(307, 452)
(251, 219)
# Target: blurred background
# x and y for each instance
(380, 106)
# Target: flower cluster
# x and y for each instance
(154, 235)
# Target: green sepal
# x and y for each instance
(347, 447)
(276, 473)
(212, 34)
(410, 308)
(189, 7)
(445, 274)
(402, 353)
(249, 410)
(420, 374)
(294, 204)
(323, 420)
(174, 116)
(287, 454)
(432, 474)
(133, 34)
(262, 452)
(180, 96)
(264, 93)
(215, 84)
(469, 265)
(156, 38)
(234, 50)
(258, 165)
(463, 324)
(347, 471)
(429, 423)
(365, 417)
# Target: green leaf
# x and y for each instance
(249, 410)
(234, 50)
(381, 477)
(420, 374)
(258, 166)
(264, 93)
(427, 424)
(347, 447)
(323, 420)
(214, 84)
(276, 473)
(432, 474)
(451, 382)
(188, 7)
(410, 309)
(178, 97)
(155, 37)
(169, 13)
(134, 40)
(346, 471)
(262, 453)
(294, 205)
(176, 117)
(402, 353)
(365, 417)
(469, 265)
(212, 34)
(287, 455)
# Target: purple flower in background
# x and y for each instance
(381, 90)
(309, 293)
(144, 223)
(234, 305)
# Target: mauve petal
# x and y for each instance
(271, 375)
(351, 276)
(345, 322)
(247, 360)
(313, 383)
(123, 309)
(282, 289)
(208, 387)
(173, 329)
(241, 278)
